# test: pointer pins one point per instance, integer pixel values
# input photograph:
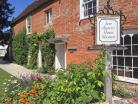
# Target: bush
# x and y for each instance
(48, 50)
(20, 48)
(33, 43)
(80, 84)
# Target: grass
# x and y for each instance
(4, 77)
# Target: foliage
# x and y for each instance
(37, 41)
(33, 42)
(6, 10)
(20, 48)
(26, 47)
(79, 84)
(14, 86)
(48, 50)
(124, 93)
(4, 77)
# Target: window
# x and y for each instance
(48, 17)
(125, 62)
(28, 24)
(87, 8)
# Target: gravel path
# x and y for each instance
(17, 70)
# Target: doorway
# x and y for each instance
(60, 57)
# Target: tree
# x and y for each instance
(6, 10)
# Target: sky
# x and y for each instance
(19, 5)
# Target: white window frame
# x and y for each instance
(125, 67)
(48, 14)
(82, 9)
(28, 25)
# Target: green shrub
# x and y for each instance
(48, 50)
(20, 48)
(79, 84)
(33, 43)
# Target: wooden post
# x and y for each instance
(108, 77)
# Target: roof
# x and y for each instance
(36, 4)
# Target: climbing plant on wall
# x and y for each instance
(33, 43)
(48, 50)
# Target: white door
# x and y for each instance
(60, 58)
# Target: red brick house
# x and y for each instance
(69, 20)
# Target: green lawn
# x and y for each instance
(4, 77)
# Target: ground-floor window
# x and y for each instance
(125, 62)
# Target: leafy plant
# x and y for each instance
(79, 84)
(33, 43)
(20, 48)
(48, 50)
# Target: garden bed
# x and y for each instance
(4, 77)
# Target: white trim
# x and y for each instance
(82, 10)
(65, 56)
(126, 79)
(27, 26)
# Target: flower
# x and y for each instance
(14, 81)
(6, 90)
(28, 102)
(4, 83)
(11, 76)
(9, 80)
(32, 92)
(23, 95)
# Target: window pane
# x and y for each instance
(121, 41)
(29, 20)
(29, 29)
(135, 62)
(128, 51)
(120, 61)
(127, 40)
(114, 52)
(135, 72)
(128, 62)
(114, 61)
(135, 50)
(120, 52)
(89, 7)
(94, 6)
(135, 39)
(48, 16)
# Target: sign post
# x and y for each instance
(109, 28)
(108, 33)
(108, 77)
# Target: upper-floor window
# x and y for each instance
(48, 17)
(28, 24)
(87, 8)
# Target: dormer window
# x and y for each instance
(87, 8)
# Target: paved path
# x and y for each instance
(17, 70)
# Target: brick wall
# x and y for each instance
(129, 8)
(66, 20)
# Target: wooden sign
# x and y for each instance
(108, 30)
